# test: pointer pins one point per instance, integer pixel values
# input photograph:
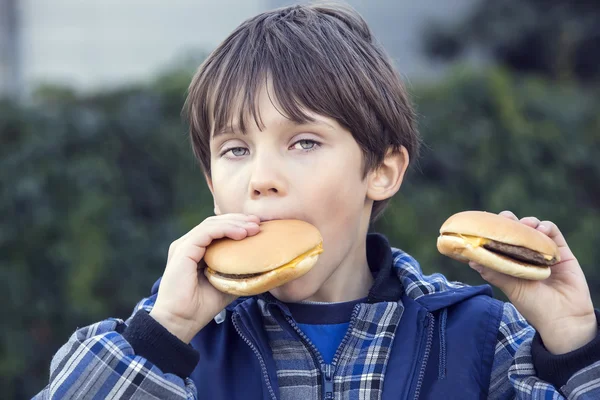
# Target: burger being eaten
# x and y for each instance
(498, 243)
(282, 251)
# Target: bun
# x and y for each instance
(263, 282)
(498, 243)
(278, 242)
(282, 251)
(501, 229)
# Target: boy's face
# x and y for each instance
(311, 172)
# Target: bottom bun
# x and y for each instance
(460, 250)
(263, 282)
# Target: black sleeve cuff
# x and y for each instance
(155, 343)
(558, 369)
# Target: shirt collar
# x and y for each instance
(387, 286)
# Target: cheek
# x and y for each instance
(228, 190)
(345, 198)
(340, 189)
(337, 199)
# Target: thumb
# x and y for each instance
(504, 282)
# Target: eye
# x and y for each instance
(305, 144)
(236, 151)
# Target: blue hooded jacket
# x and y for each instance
(441, 339)
(415, 337)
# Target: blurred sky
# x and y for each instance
(100, 44)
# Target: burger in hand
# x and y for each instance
(282, 251)
(498, 243)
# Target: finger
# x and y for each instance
(201, 238)
(242, 220)
(236, 216)
(504, 282)
(236, 230)
(531, 221)
(204, 235)
(189, 251)
(172, 248)
(219, 222)
(549, 228)
(508, 214)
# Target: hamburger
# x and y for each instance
(498, 243)
(282, 251)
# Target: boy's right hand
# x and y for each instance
(186, 301)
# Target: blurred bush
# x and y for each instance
(95, 188)
(93, 191)
(557, 39)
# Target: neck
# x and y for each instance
(352, 280)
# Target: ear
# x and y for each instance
(210, 187)
(385, 180)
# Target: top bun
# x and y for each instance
(277, 243)
(500, 229)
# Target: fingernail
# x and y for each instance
(542, 227)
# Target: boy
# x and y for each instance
(298, 114)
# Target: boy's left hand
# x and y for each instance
(560, 308)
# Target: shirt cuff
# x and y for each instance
(155, 343)
(558, 369)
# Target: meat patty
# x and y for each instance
(519, 253)
(236, 276)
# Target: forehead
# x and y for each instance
(266, 112)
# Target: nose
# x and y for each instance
(267, 180)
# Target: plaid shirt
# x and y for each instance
(364, 354)
(97, 362)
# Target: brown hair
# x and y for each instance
(319, 57)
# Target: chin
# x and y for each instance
(296, 290)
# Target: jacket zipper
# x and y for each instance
(263, 366)
(327, 370)
(429, 323)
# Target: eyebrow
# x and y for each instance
(233, 129)
(228, 130)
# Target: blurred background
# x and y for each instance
(97, 176)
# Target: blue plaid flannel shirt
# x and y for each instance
(97, 362)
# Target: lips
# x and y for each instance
(272, 218)
(277, 212)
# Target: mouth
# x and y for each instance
(269, 219)
(276, 217)
(265, 219)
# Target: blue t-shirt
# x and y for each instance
(325, 324)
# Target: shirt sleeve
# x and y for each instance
(99, 362)
(519, 372)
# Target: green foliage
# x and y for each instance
(96, 188)
(555, 38)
